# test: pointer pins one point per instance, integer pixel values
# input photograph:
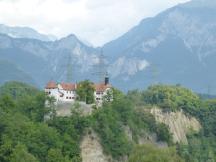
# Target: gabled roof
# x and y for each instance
(68, 86)
(101, 87)
(51, 85)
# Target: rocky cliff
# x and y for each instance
(91, 149)
(178, 123)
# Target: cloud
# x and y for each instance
(97, 21)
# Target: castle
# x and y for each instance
(66, 92)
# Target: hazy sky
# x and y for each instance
(97, 21)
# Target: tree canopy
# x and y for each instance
(151, 153)
(25, 135)
(85, 92)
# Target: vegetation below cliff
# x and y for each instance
(26, 136)
(201, 145)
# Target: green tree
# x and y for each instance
(163, 133)
(17, 90)
(172, 98)
(34, 107)
(6, 149)
(55, 155)
(85, 91)
(150, 153)
(7, 104)
(108, 97)
(21, 154)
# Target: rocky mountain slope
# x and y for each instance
(176, 46)
(49, 60)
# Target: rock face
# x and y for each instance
(45, 61)
(145, 138)
(176, 46)
(178, 122)
(91, 149)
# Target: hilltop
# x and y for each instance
(139, 123)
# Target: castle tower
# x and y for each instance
(106, 80)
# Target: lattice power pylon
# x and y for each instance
(100, 69)
(69, 69)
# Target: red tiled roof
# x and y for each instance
(51, 85)
(101, 87)
(68, 86)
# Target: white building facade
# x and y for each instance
(66, 92)
(102, 90)
(62, 92)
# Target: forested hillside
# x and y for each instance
(30, 131)
(10, 72)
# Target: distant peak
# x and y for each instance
(71, 37)
(201, 3)
(24, 32)
(68, 42)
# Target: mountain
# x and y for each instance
(44, 61)
(10, 72)
(178, 46)
(25, 32)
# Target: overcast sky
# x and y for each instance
(97, 21)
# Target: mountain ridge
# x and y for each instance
(176, 46)
(24, 32)
(179, 32)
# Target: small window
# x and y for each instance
(66, 97)
(49, 92)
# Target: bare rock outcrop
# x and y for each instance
(91, 149)
(178, 123)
